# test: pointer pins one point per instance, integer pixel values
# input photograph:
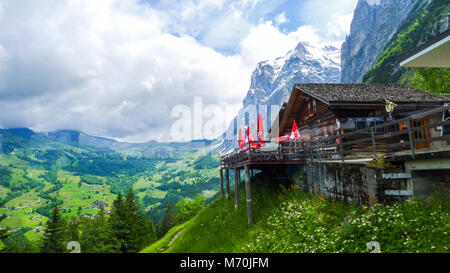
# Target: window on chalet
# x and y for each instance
(314, 106)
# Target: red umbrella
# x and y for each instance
(283, 138)
(260, 128)
(241, 141)
(251, 137)
(295, 134)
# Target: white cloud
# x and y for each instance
(306, 34)
(340, 26)
(330, 17)
(105, 67)
(116, 68)
(281, 19)
(265, 42)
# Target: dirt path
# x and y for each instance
(173, 240)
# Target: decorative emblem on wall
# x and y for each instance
(390, 107)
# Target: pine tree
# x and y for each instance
(53, 240)
(159, 230)
(72, 230)
(96, 235)
(168, 222)
(145, 230)
(119, 229)
(133, 222)
(18, 243)
(129, 225)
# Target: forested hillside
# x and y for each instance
(38, 173)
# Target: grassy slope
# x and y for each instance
(223, 228)
(162, 244)
(295, 221)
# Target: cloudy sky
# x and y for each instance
(117, 68)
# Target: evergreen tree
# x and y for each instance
(18, 243)
(168, 222)
(133, 219)
(72, 230)
(119, 229)
(129, 225)
(159, 230)
(96, 236)
(187, 208)
(53, 239)
(145, 230)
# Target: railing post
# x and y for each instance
(295, 149)
(279, 151)
(411, 140)
(221, 181)
(227, 181)
(248, 195)
(374, 144)
(237, 177)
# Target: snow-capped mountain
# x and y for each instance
(273, 80)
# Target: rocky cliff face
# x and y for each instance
(272, 82)
(374, 23)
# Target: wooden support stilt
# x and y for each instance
(248, 195)
(221, 181)
(227, 181)
(237, 176)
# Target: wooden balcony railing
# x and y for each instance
(398, 137)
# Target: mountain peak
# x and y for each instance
(301, 50)
(273, 80)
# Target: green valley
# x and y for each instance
(38, 172)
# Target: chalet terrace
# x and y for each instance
(346, 123)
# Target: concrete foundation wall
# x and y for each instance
(360, 184)
(352, 183)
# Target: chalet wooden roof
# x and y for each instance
(353, 96)
(369, 93)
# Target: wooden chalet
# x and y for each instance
(345, 122)
(326, 110)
